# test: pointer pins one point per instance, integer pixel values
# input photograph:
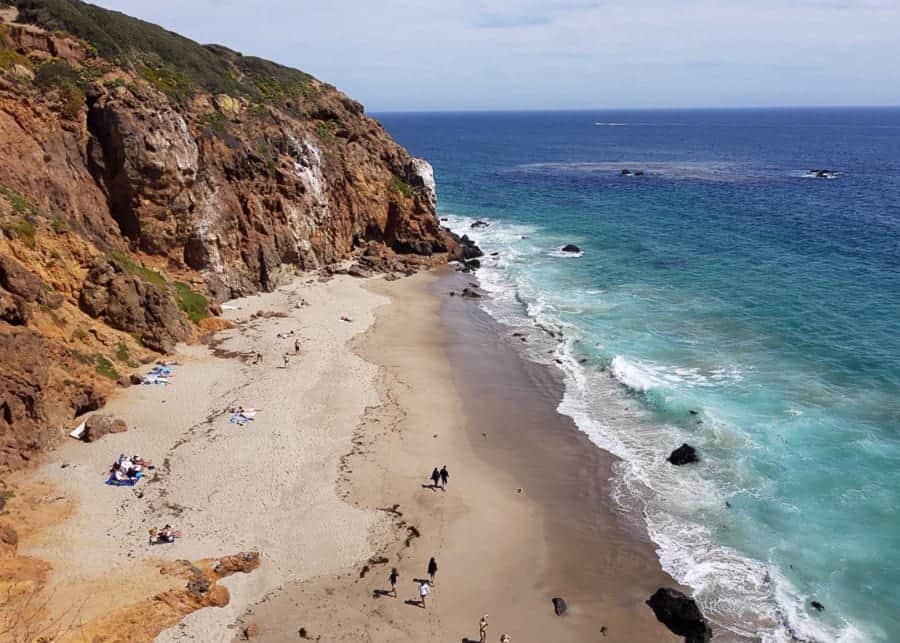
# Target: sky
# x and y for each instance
(395, 55)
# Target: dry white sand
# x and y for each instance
(266, 486)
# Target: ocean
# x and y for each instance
(725, 297)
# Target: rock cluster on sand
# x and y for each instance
(98, 425)
(680, 614)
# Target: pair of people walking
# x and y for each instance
(440, 478)
(424, 587)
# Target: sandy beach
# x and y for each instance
(329, 485)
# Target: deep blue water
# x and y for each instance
(726, 299)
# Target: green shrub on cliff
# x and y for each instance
(23, 230)
(192, 303)
(130, 265)
(105, 367)
(174, 64)
(401, 187)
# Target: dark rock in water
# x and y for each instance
(470, 294)
(443, 218)
(495, 254)
(571, 248)
(817, 606)
(468, 249)
(479, 225)
(559, 606)
(453, 293)
(626, 172)
(694, 412)
(680, 614)
(685, 454)
(639, 173)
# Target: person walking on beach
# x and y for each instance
(285, 358)
(445, 476)
(424, 590)
(435, 478)
(482, 629)
(297, 346)
(393, 578)
(432, 569)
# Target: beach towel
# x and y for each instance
(155, 379)
(124, 483)
(79, 430)
(240, 419)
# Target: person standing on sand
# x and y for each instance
(482, 629)
(297, 346)
(285, 358)
(435, 478)
(424, 590)
(445, 476)
(432, 569)
(393, 578)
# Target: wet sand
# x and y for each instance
(526, 515)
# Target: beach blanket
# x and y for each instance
(164, 371)
(124, 483)
(154, 379)
(241, 419)
(79, 430)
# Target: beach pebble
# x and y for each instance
(559, 606)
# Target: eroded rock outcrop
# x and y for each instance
(128, 303)
(144, 179)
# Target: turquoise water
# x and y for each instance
(724, 298)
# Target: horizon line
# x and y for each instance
(525, 110)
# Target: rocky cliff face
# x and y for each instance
(145, 177)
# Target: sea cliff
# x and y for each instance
(146, 177)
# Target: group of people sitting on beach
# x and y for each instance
(166, 534)
(126, 469)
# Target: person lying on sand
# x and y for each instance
(165, 535)
(345, 318)
(140, 463)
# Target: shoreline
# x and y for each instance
(525, 517)
(327, 484)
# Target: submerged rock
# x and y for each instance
(479, 225)
(571, 247)
(816, 605)
(685, 454)
(680, 614)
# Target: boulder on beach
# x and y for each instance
(559, 605)
(680, 614)
(571, 247)
(685, 454)
(98, 425)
